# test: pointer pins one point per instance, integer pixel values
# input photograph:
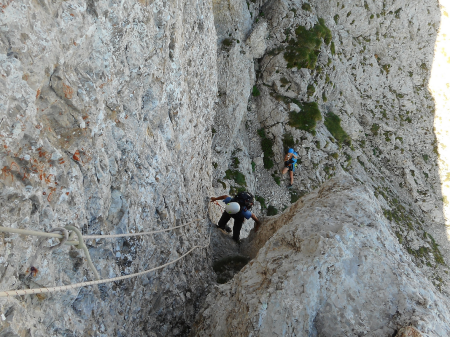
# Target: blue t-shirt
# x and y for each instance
(246, 213)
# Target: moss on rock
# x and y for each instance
(307, 118)
(303, 50)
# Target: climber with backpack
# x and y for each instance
(238, 208)
(290, 163)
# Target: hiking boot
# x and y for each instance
(289, 186)
(236, 240)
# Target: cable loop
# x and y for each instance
(63, 232)
(82, 245)
(67, 239)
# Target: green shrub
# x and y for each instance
(288, 141)
(310, 90)
(276, 178)
(333, 124)
(306, 118)
(336, 18)
(374, 129)
(332, 48)
(235, 175)
(296, 195)
(253, 166)
(227, 42)
(268, 163)
(302, 52)
(324, 97)
(255, 91)
(437, 254)
(306, 7)
(271, 210)
(262, 201)
(266, 145)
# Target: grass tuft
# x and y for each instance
(306, 7)
(306, 118)
(302, 52)
(310, 90)
(271, 210)
(262, 201)
(333, 124)
(235, 175)
(227, 42)
(288, 141)
(255, 91)
(276, 178)
(266, 144)
(374, 129)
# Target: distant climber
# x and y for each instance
(290, 163)
(238, 208)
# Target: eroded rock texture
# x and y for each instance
(106, 110)
(333, 267)
(368, 81)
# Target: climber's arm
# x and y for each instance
(222, 197)
(257, 222)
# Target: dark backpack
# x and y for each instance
(244, 199)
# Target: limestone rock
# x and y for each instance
(105, 118)
(256, 42)
(409, 331)
(327, 266)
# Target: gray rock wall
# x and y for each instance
(373, 75)
(113, 112)
(105, 124)
(332, 267)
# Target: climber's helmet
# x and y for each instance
(291, 151)
(232, 208)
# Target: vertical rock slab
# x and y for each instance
(105, 115)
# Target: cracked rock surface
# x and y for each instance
(106, 111)
(330, 267)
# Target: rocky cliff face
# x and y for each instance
(330, 266)
(122, 117)
(346, 85)
(106, 112)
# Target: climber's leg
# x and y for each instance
(222, 224)
(238, 222)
